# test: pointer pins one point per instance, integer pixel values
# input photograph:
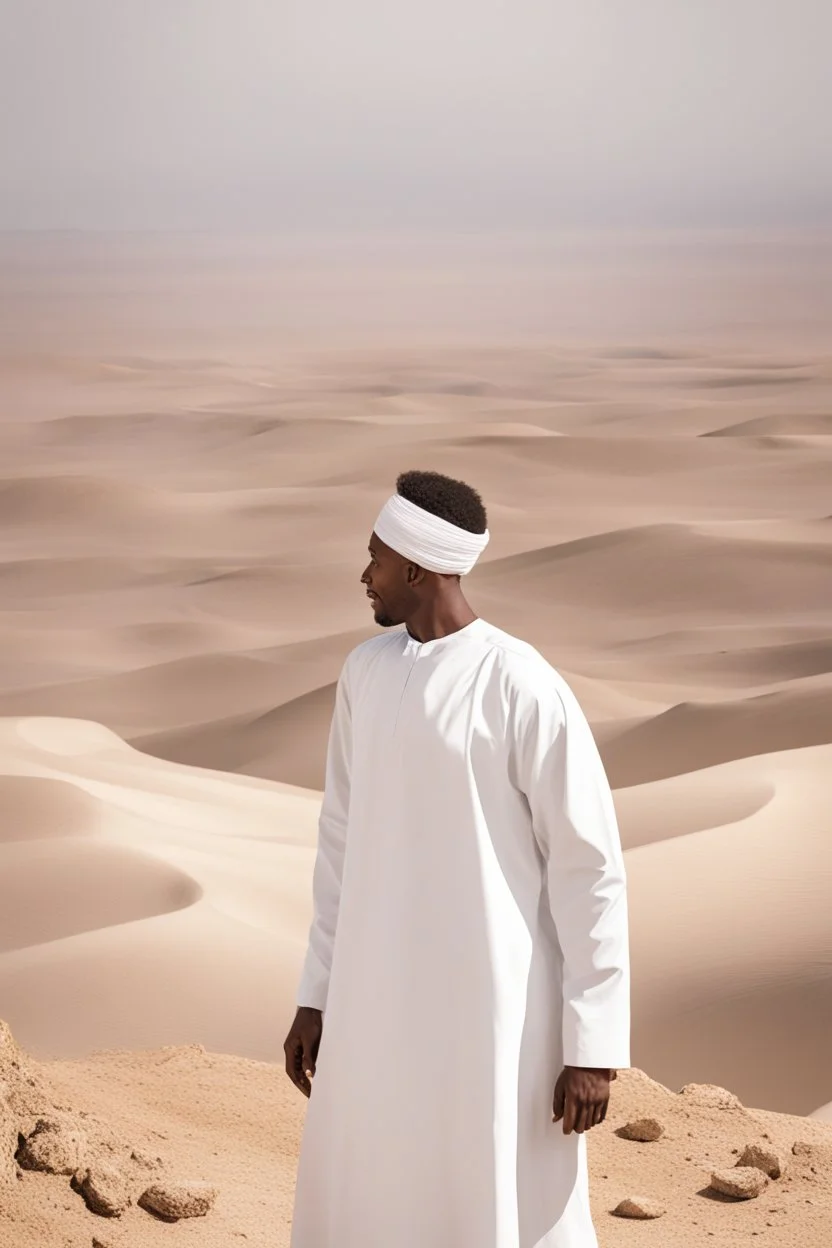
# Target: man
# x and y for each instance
(466, 983)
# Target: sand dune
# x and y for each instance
(736, 664)
(687, 572)
(287, 741)
(104, 930)
(690, 736)
(187, 488)
(745, 930)
(791, 424)
(32, 810)
(110, 886)
(245, 846)
(76, 500)
(157, 851)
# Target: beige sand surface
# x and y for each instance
(193, 447)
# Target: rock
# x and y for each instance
(54, 1147)
(178, 1200)
(145, 1160)
(744, 1182)
(765, 1158)
(710, 1096)
(101, 1243)
(638, 1207)
(105, 1189)
(646, 1130)
(818, 1153)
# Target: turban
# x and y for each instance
(433, 543)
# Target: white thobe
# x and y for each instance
(469, 938)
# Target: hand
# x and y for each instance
(582, 1094)
(301, 1047)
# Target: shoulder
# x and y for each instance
(523, 669)
(534, 692)
(362, 658)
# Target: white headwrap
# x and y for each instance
(433, 543)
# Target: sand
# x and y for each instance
(195, 440)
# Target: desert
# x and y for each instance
(196, 435)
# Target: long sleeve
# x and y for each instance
(561, 774)
(329, 858)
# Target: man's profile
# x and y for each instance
(465, 996)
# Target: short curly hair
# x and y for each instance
(451, 500)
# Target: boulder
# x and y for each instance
(105, 1189)
(743, 1182)
(638, 1207)
(646, 1130)
(764, 1157)
(54, 1147)
(173, 1201)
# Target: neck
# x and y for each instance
(443, 615)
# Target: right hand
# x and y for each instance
(301, 1047)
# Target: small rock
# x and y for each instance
(101, 1243)
(178, 1200)
(769, 1160)
(638, 1207)
(53, 1147)
(105, 1189)
(807, 1151)
(646, 1130)
(145, 1160)
(710, 1096)
(744, 1182)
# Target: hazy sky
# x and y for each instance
(478, 113)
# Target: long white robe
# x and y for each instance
(469, 938)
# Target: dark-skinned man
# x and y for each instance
(465, 997)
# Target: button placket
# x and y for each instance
(412, 654)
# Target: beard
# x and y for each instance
(384, 620)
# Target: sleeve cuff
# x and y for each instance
(311, 994)
(608, 1052)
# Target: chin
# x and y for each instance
(385, 621)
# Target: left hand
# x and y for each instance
(582, 1094)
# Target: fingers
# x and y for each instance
(558, 1103)
(301, 1048)
(308, 1055)
(579, 1115)
(293, 1048)
(570, 1112)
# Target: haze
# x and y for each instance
(262, 114)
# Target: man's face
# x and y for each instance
(385, 577)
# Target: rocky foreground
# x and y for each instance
(179, 1145)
